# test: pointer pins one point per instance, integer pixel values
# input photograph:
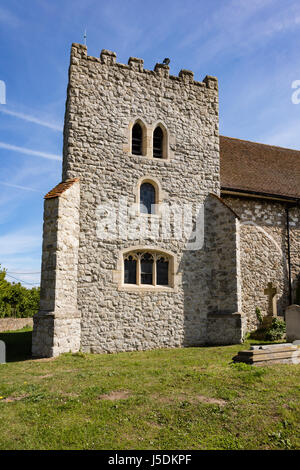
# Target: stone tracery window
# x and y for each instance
(147, 268)
(146, 261)
(130, 269)
(162, 271)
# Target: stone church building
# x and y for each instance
(162, 233)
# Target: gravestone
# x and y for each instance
(2, 352)
(268, 354)
(274, 347)
(292, 320)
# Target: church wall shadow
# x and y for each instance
(209, 280)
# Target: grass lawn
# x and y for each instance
(191, 398)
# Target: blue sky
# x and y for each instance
(251, 46)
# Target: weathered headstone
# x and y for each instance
(292, 320)
(2, 352)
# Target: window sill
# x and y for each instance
(153, 216)
(145, 288)
(147, 157)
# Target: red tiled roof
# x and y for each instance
(260, 168)
(61, 188)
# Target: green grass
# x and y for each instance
(192, 398)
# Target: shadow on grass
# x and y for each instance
(18, 345)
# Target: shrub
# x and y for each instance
(276, 331)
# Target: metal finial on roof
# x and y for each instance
(84, 37)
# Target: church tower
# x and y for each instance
(139, 252)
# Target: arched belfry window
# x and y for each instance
(147, 198)
(158, 138)
(144, 268)
(137, 139)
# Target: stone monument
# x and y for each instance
(264, 355)
(271, 292)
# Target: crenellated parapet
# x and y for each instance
(109, 58)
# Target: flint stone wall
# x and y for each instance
(223, 329)
(264, 258)
(225, 321)
(294, 213)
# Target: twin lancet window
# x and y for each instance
(142, 268)
(138, 141)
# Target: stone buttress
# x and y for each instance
(57, 324)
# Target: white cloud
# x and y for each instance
(20, 241)
(28, 280)
(9, 18)
(34, 178)
(240, 26)
(26, 117)
(285, 136)
(20, 255)
(23, 267)
(26, 151)
(17, 186)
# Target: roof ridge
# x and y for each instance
(259, 143)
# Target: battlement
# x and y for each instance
(109, 58)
